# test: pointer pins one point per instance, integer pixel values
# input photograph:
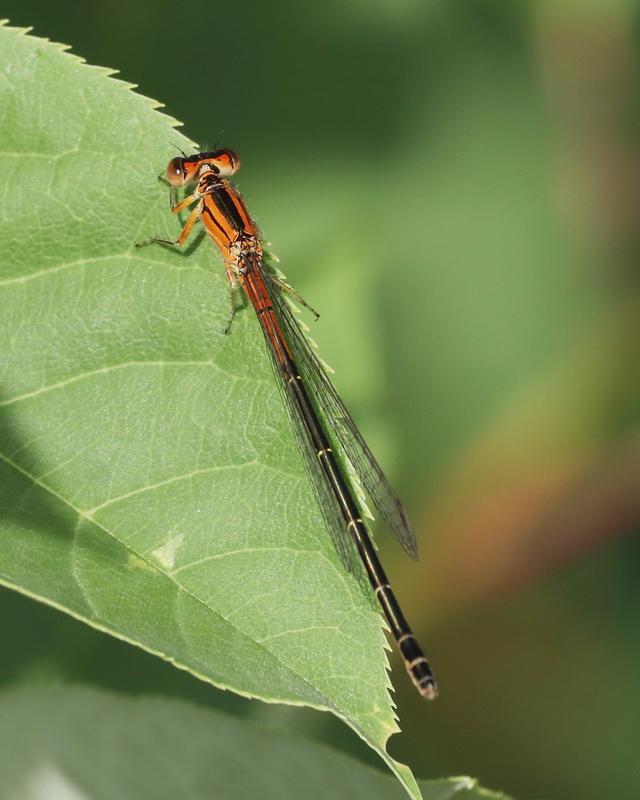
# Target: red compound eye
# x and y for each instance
(227, 162)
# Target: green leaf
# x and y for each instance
(149, 484)
(81, 743)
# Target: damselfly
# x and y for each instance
(331, 443)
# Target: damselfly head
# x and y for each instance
(184, 170)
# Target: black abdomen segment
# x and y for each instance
(415, 661)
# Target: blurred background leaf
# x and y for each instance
(455, 187)
(81, 743)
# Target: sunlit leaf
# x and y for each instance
(149, 484)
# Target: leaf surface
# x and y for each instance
(149, 483)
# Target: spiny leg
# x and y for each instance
(188, 226)
(233, 297)
(190, 199)
(284, 286)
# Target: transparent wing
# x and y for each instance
(341, 428)
(331, 513)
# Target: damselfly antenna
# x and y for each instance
(180, 150)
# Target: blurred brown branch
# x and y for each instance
(543, 485)
(558, 471)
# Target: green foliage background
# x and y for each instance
(165, 749)
(452, 186)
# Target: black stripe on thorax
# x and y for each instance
(206, 210)
(224, 201)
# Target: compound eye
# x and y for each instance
(175, 172)
(227, 162)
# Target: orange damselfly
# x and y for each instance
(328, 437)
